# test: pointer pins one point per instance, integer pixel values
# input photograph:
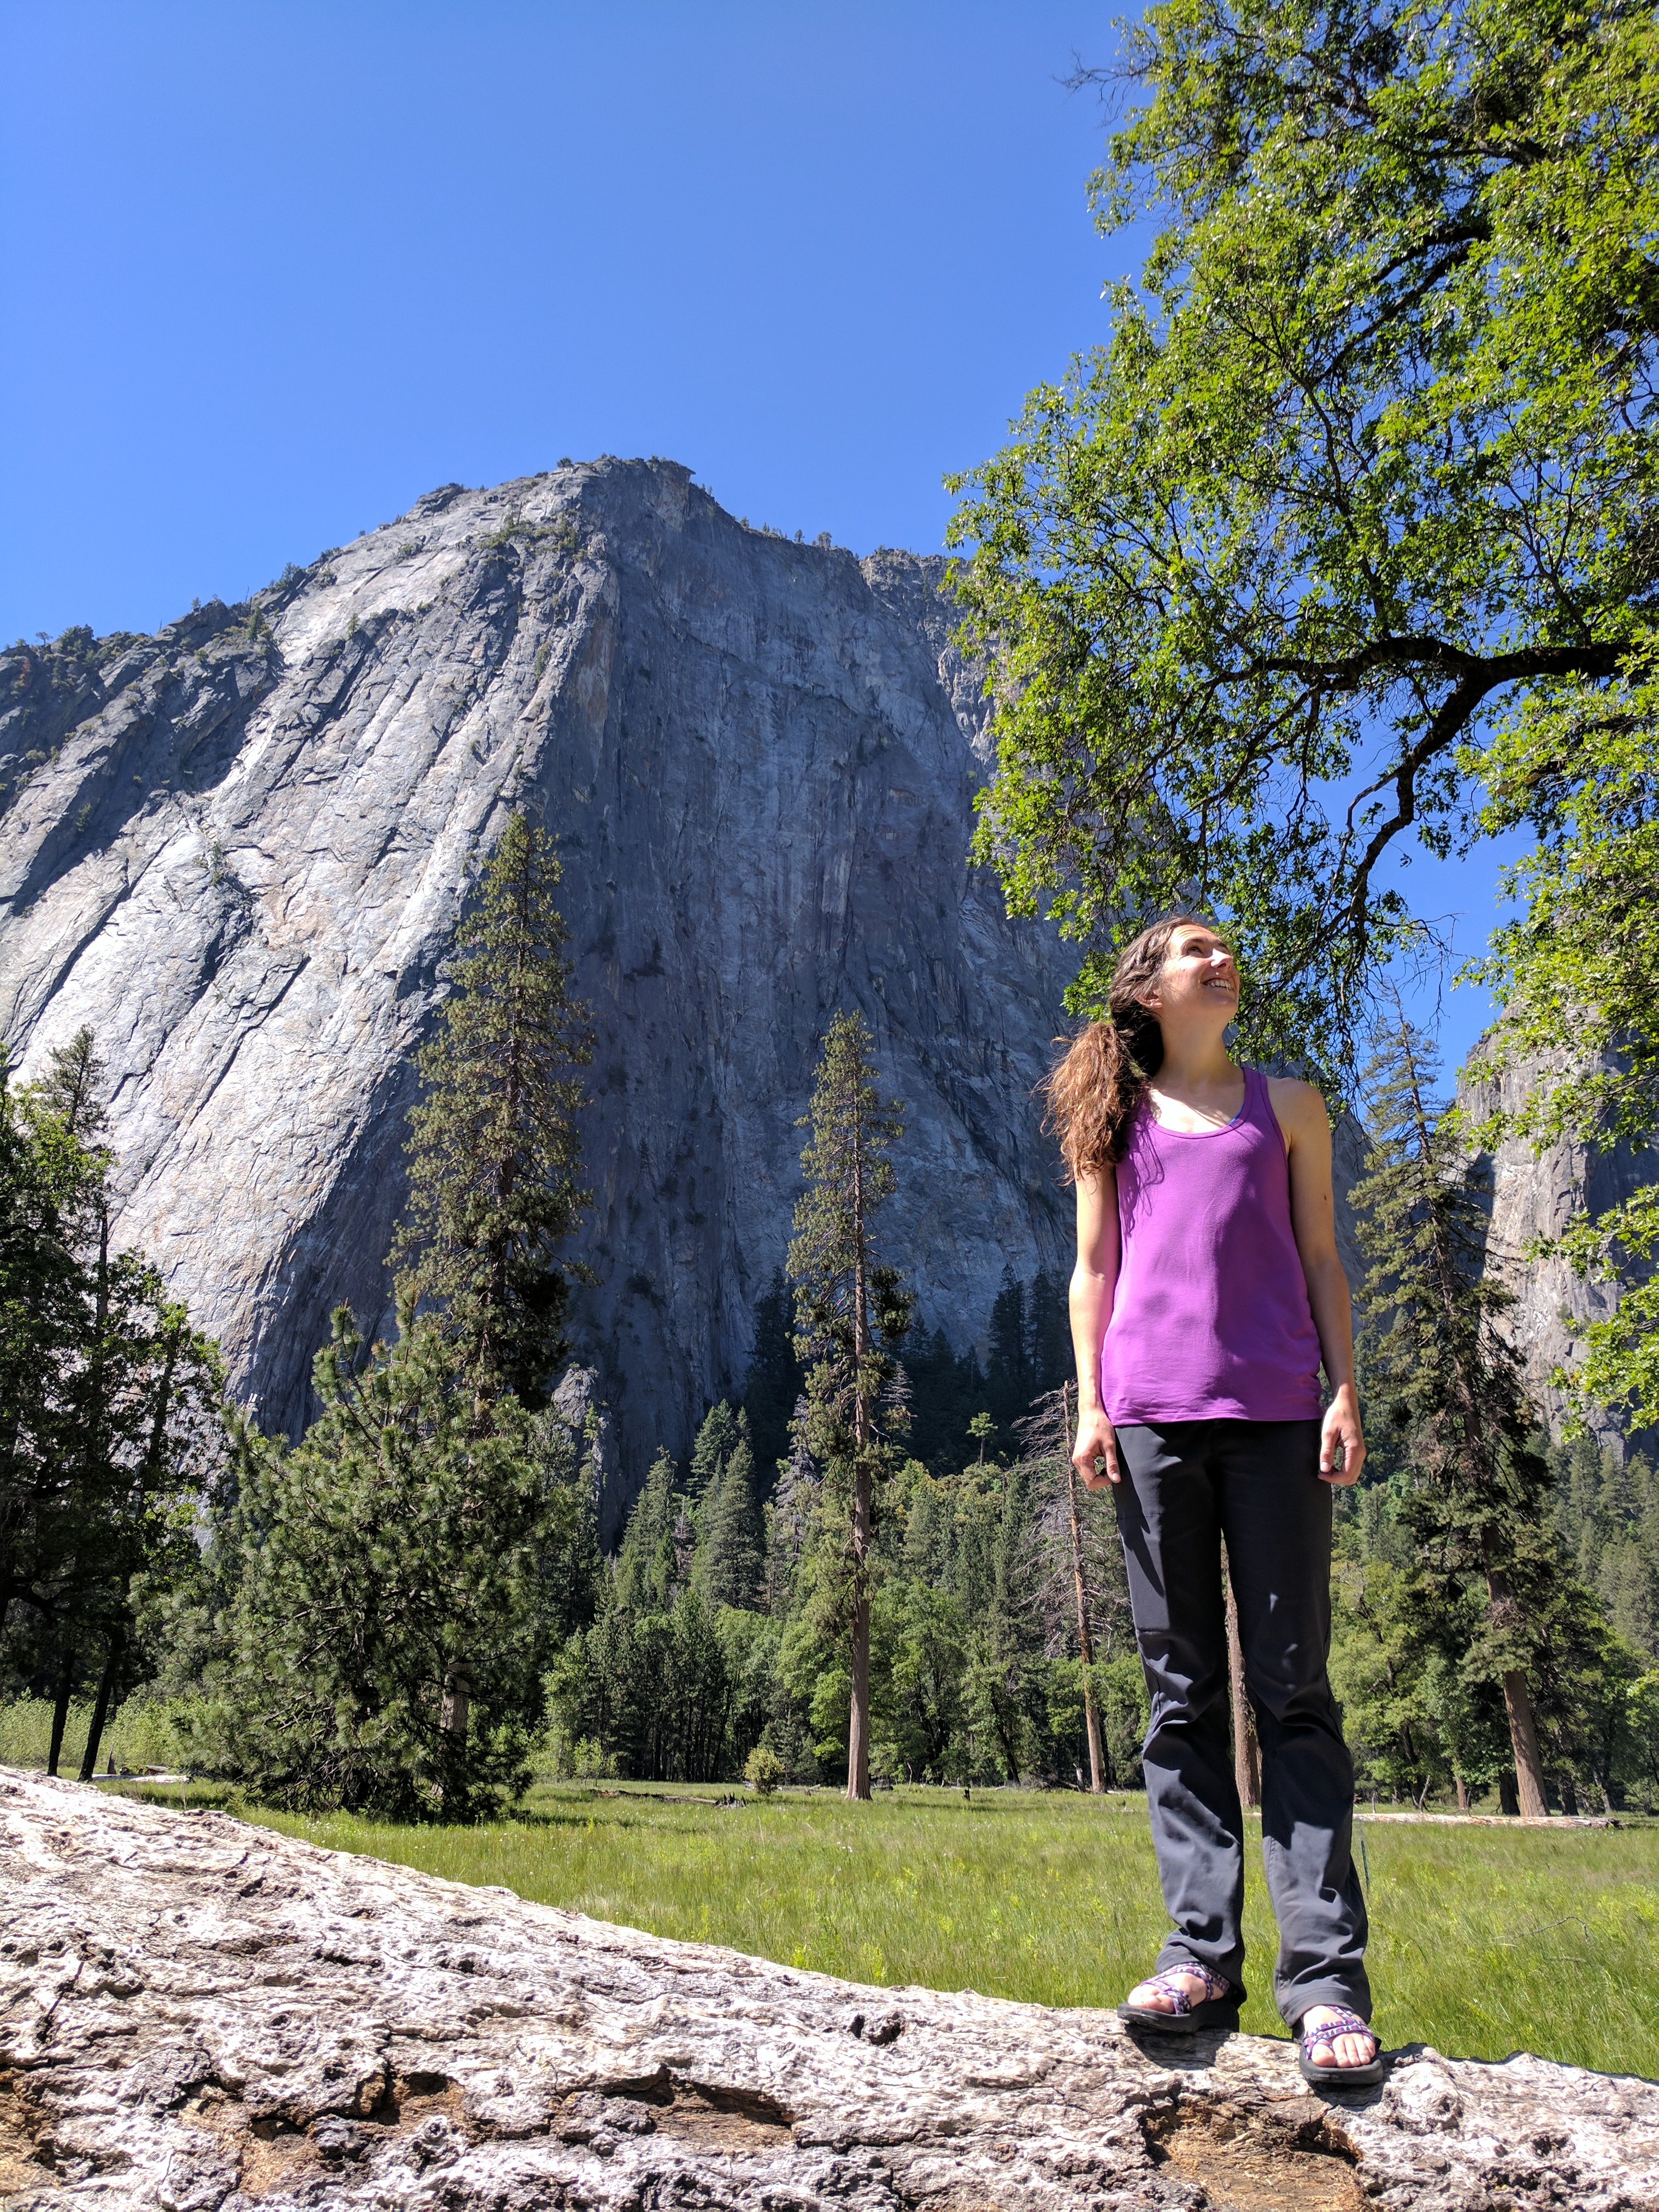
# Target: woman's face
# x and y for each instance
(1199, 973)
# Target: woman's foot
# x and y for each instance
(1183, 1998)
(1335, 2042)
(1159, 1994)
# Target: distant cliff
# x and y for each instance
(239, 849)
(1533, 1196)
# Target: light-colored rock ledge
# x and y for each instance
(200, 2015)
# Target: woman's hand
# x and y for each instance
(1095, 1442)
(1341, 1433)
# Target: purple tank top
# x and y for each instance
(1211, 1316)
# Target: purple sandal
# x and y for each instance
(1345, 2023)
(1218, 2007)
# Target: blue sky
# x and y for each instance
(279, 267)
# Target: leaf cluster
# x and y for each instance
(1355, 513)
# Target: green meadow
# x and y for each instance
(1484, 1940)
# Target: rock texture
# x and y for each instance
(1537, 1196)
(239, 849)
(200, 2015)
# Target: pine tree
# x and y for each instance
(646, 1567)
(946, 1390)
(1008, 1365)
(715, 1442)
(773, 1383)
(1606, 1508)
(1006, 1680)
(790, 1515)
(403, 1559)
(494, 1149)
(850, 1312)
(108, 1398)
(392, 1564)
(1449, 1383)
(730, 1557)
(1048, 1319)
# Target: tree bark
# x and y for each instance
(1517, 1705)
(857, 1724)
(1099, 1772)
(60, 1709)
(454, 1713)
(100, 1703)
(457, 1704)
(1462, 1793)
(1247, 1753)
(1523, 1739)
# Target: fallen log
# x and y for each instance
(203, 2016)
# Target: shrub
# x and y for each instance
(763, 1770)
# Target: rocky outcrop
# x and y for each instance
(1535, 1196)
(198, 2014)
(239, 849)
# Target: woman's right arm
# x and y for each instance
(1094, 1281)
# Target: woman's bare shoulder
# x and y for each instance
(1300, 1106)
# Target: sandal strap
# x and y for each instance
(1168, 1983)
(1345, 2023)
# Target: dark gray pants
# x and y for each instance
(1186, 1484)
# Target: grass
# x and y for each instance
(138, 1735)
(1484, 1940)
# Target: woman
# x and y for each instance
(1207, 1292)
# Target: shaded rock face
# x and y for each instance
(239, 850)
(1539, 1195)
(197, 2014)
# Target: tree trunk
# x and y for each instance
(1462, 1793)
(100, 1703)
(454, 1714)
(456, 1708)
(1247, 1753)
(1508, 1802)
(60, 1709)
(1099, 1772)
(1523, 1739)
(1518, 1698)
(858, 1726)
(858, 1734)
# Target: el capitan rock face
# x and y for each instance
(239, 850)
(200, 2016)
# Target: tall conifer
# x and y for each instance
(645, 1566)
(1477, 1495)
(108, 1398)
(850, 1311)
(731, 1558)
(402, 1563)
(494, 1149)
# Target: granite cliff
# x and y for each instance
(1537, 1196)
(239, 848)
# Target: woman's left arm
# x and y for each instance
(1307, 1127)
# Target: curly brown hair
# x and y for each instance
(1095, 1091)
